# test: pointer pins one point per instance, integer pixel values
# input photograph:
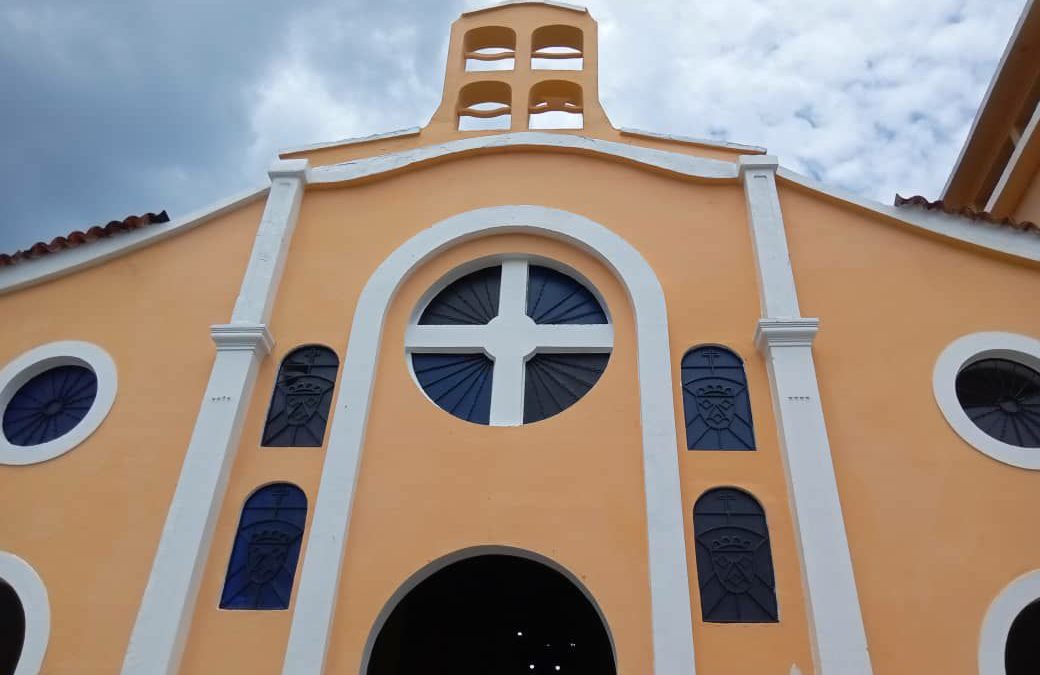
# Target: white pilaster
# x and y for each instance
(164, 618)
(835, 619)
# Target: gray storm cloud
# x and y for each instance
(112, 108)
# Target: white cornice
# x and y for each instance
(237, 337)
(671, 162)
(507, 3)
(691, 140)
(798, 332)
(400, 133)
(34, 271)
(979, 233)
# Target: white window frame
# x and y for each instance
(28, 585)
(40, 359)
(965, 351)
(1002, 612)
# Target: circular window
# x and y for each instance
(988, 388)
(49, 405)
(1002, 398)
(510, 343)
(52, 398)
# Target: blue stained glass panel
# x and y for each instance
(49, 405)
(267, 547)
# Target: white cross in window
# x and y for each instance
(509, 340)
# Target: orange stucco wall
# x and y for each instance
(89, 521)
(571, 487)
(1029, 207)
(936, 528)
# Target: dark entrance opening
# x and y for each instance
(1022, 653)
(493, 615)
(12, 628)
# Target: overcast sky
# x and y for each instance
(113, 107)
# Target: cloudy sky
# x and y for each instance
(113, 107)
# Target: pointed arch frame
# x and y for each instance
(672, 625)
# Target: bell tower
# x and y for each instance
(518, 66)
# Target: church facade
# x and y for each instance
(522, 392)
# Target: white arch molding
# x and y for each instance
(1002, 612)
(427, 571)
(31, 592)
(669, 581)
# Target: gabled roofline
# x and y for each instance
(506, 3)
(399, 133)
(692, 140)
(35, 271)
(999, 238)
(1019, 244)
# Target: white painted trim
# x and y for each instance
(669, 581)
(692, 140)
(1015, 34)
(837, 635)
(399, 133)
(34, 271)
(164, 619)
(409, 584)
(509, 3)
(45, 357)
(775, 280)
(675, 163)
(1002, 612)
(1014, 163)
(963, 352)
(976, 232)
(20, 576)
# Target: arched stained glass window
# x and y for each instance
(734, 562)
(302, 398)
(267, 546)
(715, 400)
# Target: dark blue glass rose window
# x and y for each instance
(511, 300)
(267, 547)
(49, 405)
(1002, 398)
(734, 562)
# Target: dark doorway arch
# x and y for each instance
(493, 613)
(1022, 653)
(12, 628)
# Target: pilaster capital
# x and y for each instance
(757, 163)
(289, 168)
(798, 332)
(242, 337)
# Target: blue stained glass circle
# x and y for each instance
(49, 405)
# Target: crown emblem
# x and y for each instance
(716, 390)
(731, 544)
(270, 537)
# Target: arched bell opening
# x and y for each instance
(491, 613)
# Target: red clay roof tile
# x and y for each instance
(967, 212)
(78, 238)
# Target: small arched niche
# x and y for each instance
(490, 613)
(484, 105)
(556, 104)
(557, 47)
(489, 48)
